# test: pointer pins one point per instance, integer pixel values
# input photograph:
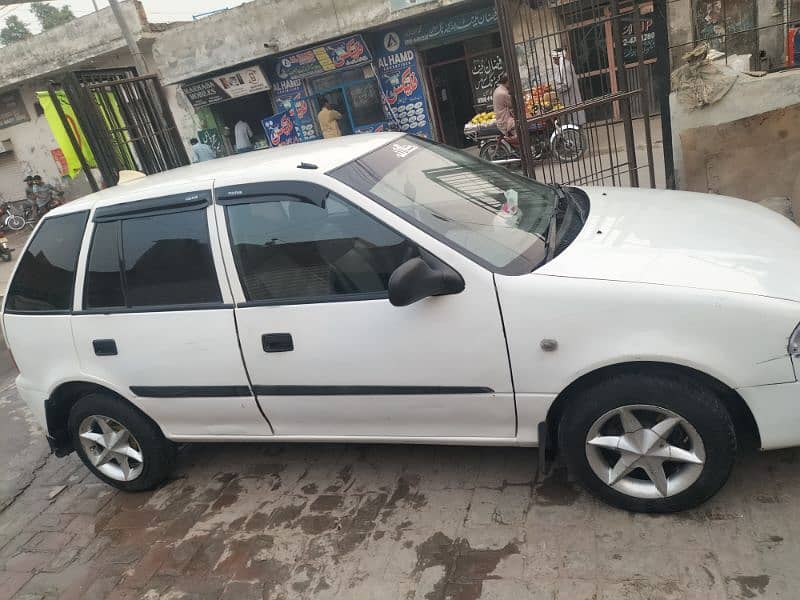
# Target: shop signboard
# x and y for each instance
(629, 49)
(280, 129)
(339, 54)
(213, 139)
(224, 87)
(401, 82)
(290, 95)
(448, 27)
(485, 71)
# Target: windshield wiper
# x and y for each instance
(552, 233)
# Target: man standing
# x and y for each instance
(45, 195)
(329, 120)
(243, 136)
(30, 194)
(503, 109)
(566, 85)
(200, 151)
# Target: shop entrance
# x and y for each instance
(453, 100)
(250, 109)
(462, 77)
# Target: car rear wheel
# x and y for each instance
(119, 444)
(649, 443)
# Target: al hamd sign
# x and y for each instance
(235, 84)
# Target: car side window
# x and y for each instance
(290, 249)
(156, 260)
(45, 278)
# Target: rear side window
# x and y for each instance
(158, 260)
(45, 278)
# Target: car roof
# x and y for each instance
(264, 165)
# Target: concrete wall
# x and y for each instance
(238, 35)
(76, 42)
(747, 144)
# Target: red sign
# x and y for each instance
(61, 161)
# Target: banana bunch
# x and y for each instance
(483, 118)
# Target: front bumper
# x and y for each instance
(776, 410)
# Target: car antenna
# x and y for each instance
(305, 165)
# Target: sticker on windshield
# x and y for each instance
(403, 150)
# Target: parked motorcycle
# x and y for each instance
(566, 142)
(16, 215)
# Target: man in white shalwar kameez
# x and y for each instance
(566, 86)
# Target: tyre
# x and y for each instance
(119, 444)
(15, 222)
(569, 145)
(648, 443)
(495, 150)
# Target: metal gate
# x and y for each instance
(126, 121)
(583, 75)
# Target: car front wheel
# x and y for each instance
(119, 444)
(649, 443)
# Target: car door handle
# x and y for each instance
(105, 347)
(277, 342)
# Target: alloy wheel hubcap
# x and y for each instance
(111, 448)
(645, 451)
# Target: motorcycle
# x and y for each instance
(566, 142)
(16, 215)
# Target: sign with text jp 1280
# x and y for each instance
(224, 87)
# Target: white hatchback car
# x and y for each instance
(383, 288)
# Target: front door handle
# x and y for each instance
(277, 342)
(105, 347)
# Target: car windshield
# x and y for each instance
(490, 214)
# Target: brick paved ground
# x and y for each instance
(324, 521)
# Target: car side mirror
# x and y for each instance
(419, 278)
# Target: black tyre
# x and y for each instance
(569, 145)
(648, 443)
(119, 444)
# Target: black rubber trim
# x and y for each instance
(190, 391)
(39, 313)
(315, 300)
(153, 206)
(150, 309)
(267, 191)
(365, 390)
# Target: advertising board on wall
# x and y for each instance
(234, 84)
(401, 83)
(280, 129)
(290, 95)
(338, 54)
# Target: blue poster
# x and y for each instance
(280, 129)
(290, 95)
(401, 83)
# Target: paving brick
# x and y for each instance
(28, 562)
(11, 583)
(51, 541)
(139, 575)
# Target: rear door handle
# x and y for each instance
(277, 342)
(105, 347)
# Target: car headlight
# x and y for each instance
(794, 343)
